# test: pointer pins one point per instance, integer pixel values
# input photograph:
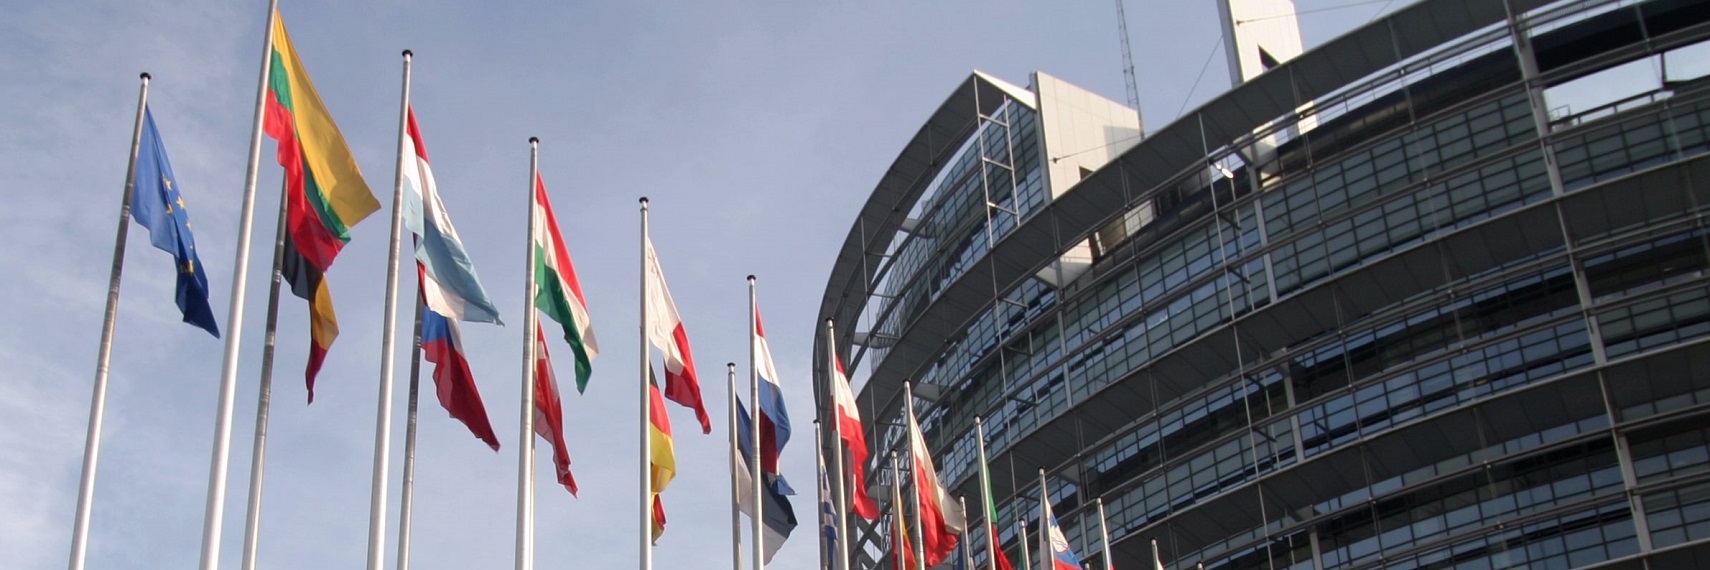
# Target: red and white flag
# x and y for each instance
(665, 331)
(941, 517)
(849, 428)
(549, 412)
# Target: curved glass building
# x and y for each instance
(1434, 294)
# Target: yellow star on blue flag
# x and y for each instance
(156, 205)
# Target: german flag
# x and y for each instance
(324, 195)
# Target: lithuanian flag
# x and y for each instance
(324, 195)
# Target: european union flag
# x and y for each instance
(157, 205)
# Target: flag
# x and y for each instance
(777, 517)
(941, 518)
(549, 411)
(449, 288)
(663, 458)
(325, 194)
(449, 284)
(849, 429)
(774, 419)
(827, 512)
(560, 294)
(157, 205)
(665, 330)
(996, 546)
(453, 382)
(902, 553)
(1062, 558)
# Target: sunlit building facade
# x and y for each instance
(1433, 294)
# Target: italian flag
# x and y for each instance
(324, 195)
(560, 294)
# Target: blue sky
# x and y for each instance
(756, 128)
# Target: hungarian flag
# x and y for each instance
(774, 419)
(449, 288)
(941, 517)
(662, 457)
(560, 294)
(549, 411)
(849, 428)
(665, 330)
(325, 194)
(1056, 545)
(995, 547)
(442, 345)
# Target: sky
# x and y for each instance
(756, 129)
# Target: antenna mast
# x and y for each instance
(1127, 60)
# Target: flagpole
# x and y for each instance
(843, 473)
(826, 558)
(1026, 556)
(919, 538)
(531, 324)
(967, 553)
(986, 495)
(1104, 535)
(646, 412)
(264, 393)
(98, 400)
(388, 342)
(1045, 548)
(898, 529)
(213, 515)
(1157, 563)
(735, 491)
(407, 492)
(754, 431)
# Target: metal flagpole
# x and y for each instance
(1026, 557)
(735, 491)
(919, 537)
(897, 514)
(531, 326)
(1045, 547)
(967, 554)
(407, 494)
(986, 495)
(213, 515)
(754, 429)
(1104, 535)
(98, 401)
(825, 542)
(264, 393)
(388, 342)
(1157, 563)
(844, 475)
(646, 411)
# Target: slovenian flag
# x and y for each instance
(452, 380)
(774, 419)
(1062, 558)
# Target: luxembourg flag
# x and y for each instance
(774, 419)
(449, 283)
(1062, 558)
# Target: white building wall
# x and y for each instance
(1080, 133)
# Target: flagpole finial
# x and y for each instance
(408, 54)
(730, 365)
(145, 76)
(534, 140)
(644, 202)
(830, 322)
(751, 279)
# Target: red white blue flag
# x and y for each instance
(1062, 557)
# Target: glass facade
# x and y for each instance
(1445, 327)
